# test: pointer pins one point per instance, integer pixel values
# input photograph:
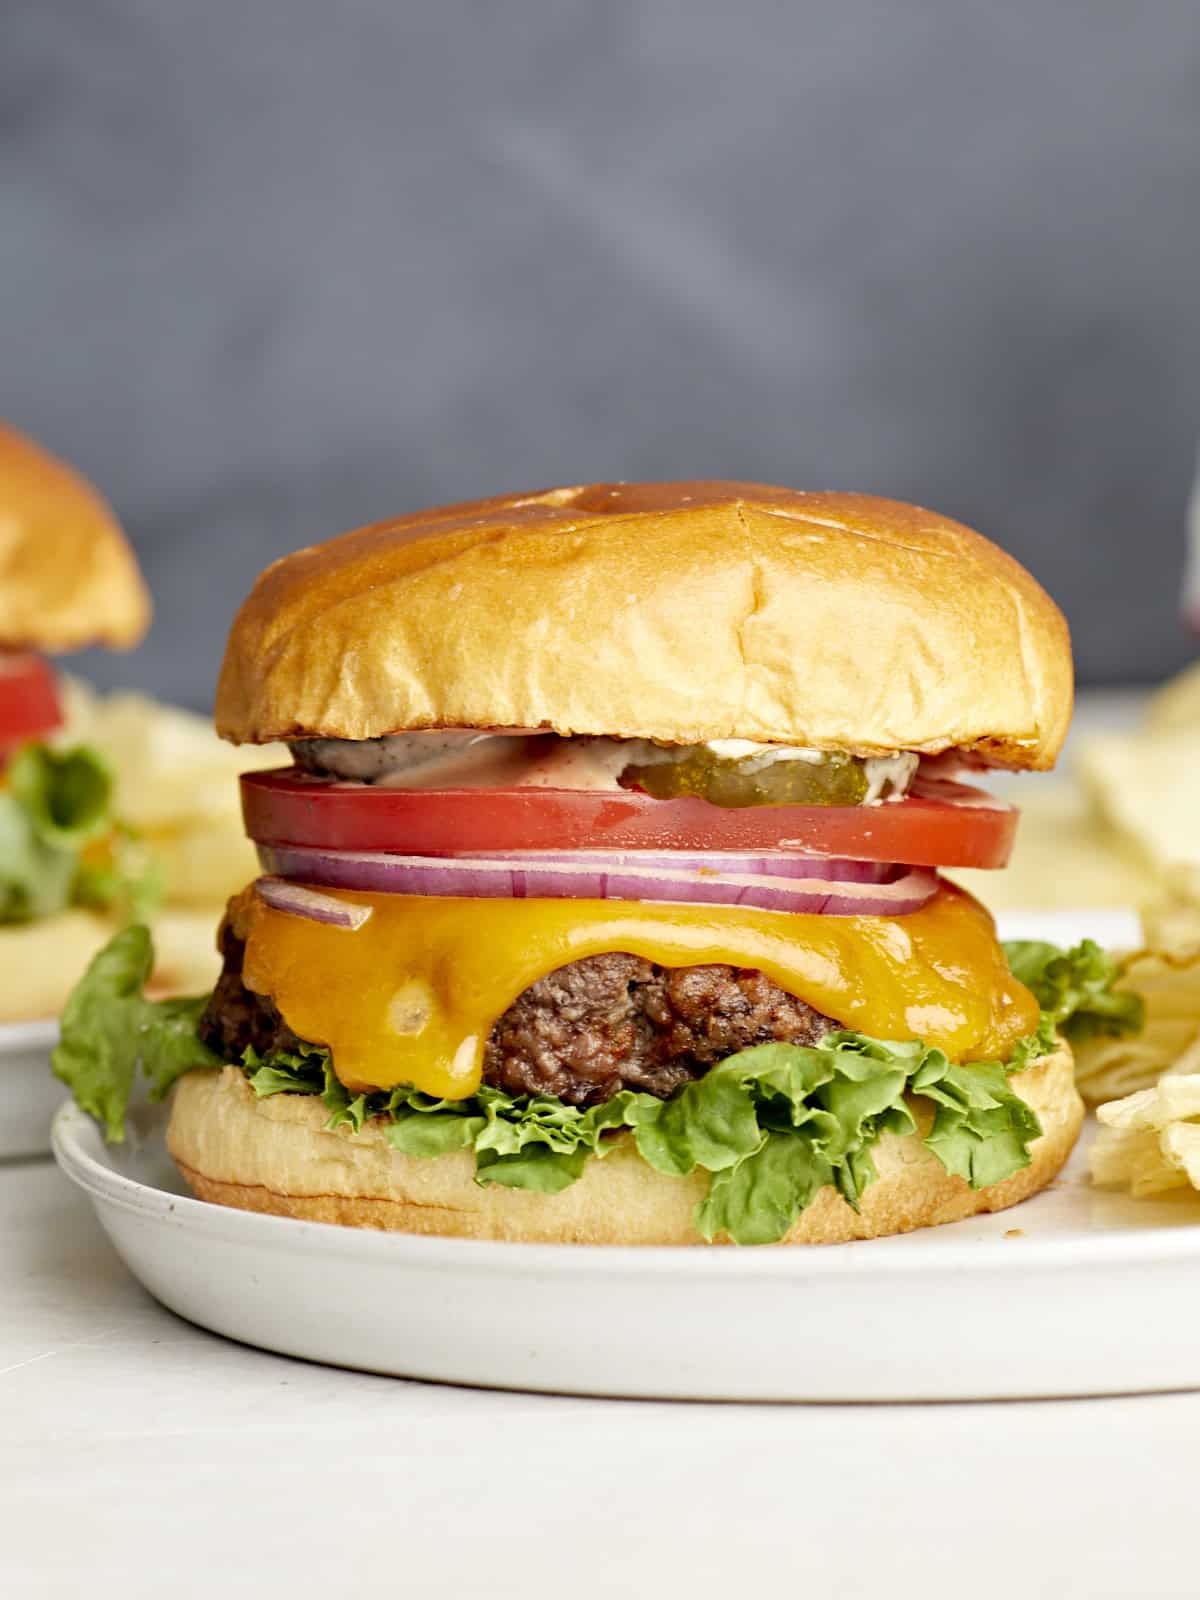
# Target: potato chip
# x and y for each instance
(1172, 1100)
(1176, 706)
(1171, 923)
(1181, 1146)
(1108, 1068)
(1133, 1161)
(1063, 855)
(1150, 1141)
(205, 863)
(185, 944)
(1146, 786)
(1166, 973)
(171, 769)
(1145, 783)
(176, 784)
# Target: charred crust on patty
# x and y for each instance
(236, 1019)
(613, 1022)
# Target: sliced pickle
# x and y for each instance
(835, 780)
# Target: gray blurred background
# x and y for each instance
(272, 268)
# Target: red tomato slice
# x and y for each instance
(951, 826)
(29, 706)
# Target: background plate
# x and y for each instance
(30, 1091)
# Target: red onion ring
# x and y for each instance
(301, 902)
(600, 877)
(370, 869)
(769, 864)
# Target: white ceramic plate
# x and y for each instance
(1076, 1292)
(29, 1091)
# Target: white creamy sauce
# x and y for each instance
(758, 756)
(888, 777)
(466, 759)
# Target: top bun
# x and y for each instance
(67, 576)
(680, 612)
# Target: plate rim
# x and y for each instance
(931, 1252)
(38, 1033)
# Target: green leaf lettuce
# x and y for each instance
(1074, 988)
(110, 1031)
(771, 1125)
(66, 794)
(59, 843)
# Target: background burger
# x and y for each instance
(104, 803)
(601, 902)
(68, 579)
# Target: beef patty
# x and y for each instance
(584, 1032)
(614, 1022)
(235, 1018)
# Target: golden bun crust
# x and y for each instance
(681, 612)
(275, 1155)
(67, 575)
(41, 962)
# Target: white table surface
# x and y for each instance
(140, 1456)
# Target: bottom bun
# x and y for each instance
(275, 1155)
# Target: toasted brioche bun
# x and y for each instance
(275, 1155)
(67, 575)
(41, 962)
(681, 612)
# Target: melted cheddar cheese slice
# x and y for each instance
(411, 994)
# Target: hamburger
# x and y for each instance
(602, 901)
(68, 579)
